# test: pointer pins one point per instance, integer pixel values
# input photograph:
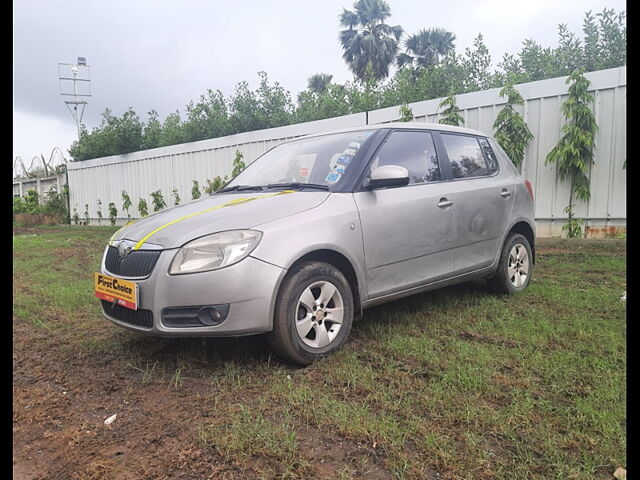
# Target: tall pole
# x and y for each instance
(75, 96)
(63, 79)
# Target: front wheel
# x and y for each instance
(313, 313)
(515, 265)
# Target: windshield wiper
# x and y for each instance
(240, 188)
(298, 185)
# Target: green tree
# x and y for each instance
(424, 49)
(511, 70)
(99, 211)
(126, 203)
(238, 164)
(172, 130)
(274, 102)
(195, 190)
(208, 118)
(143, 208)
(450, 115)
(75, 217)
(176, 196)
(537, 63)
(114, 136)
(86, 213)
(569, 55)
(512, 132)
(476, 63)
(113, 213)
(158, 200)
(152, 132)
(574, 152)
(406, 114)
(592, 47)
(216, 184)
(613, 38)
(127, 133)
(370, 45)
(318, 82)
(332, 102)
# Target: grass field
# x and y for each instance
(453, 384)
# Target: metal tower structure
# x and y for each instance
(75, 81)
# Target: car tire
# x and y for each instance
(313, 313)
(515, 266)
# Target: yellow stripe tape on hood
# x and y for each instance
(119, 230)
(228, 204)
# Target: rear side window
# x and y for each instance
(412, 150)
(467, 158)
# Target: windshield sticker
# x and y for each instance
(350, 151)
(344, 160)
(303, 172)
(355, 145)
(339, 169)
(333, 177)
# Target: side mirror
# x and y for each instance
(388, 176)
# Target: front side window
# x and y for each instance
(412, 150)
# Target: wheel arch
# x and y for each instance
(524, 228)
(342, 263)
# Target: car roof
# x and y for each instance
(404, 125)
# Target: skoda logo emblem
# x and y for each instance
(124, 248)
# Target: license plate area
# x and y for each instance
(116, 290)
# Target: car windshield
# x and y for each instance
(318, 162)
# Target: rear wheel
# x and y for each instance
(313, 314)
(515, 266)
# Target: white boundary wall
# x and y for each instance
(40, 185)
(166, 168)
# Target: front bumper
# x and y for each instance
(248, 287)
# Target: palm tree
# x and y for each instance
(370, 45)
(425, 48)
(319, 82)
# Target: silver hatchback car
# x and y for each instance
(318, 229)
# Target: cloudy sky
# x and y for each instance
(161, 54)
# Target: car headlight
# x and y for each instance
(214, 251)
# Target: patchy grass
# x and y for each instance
(457, 383)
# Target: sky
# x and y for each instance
(161, 54)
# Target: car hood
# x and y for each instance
(176, 226)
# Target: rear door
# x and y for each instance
(408, 232)
(484, 199)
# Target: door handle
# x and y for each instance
(444, 203)
(505, 193)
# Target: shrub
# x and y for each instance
(113, 213)
(195, 190)
(158, 200)
(142, 207)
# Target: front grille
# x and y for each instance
(138, 318)
(138, 263)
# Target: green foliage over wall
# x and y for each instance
(429, 67)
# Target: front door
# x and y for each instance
(408, 232)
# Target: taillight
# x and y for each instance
(530, 188)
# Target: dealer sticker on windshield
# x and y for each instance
(116, 290)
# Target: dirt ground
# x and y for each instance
(64, 387)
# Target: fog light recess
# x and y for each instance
(196, 316)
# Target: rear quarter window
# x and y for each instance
(469, 156)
